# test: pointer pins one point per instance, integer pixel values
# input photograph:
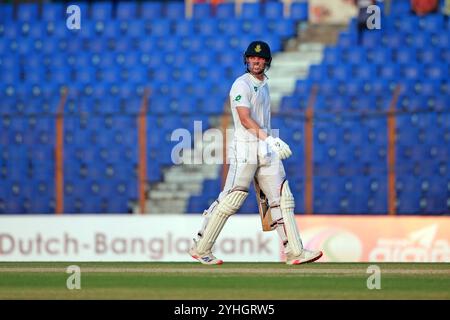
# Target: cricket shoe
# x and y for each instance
(206, 258)
(305, 257)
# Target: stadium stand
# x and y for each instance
(123, 49)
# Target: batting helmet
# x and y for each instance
(259, 49)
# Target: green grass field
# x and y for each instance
(111, 280)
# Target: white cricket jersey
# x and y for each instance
(249, 92)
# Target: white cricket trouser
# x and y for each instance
(249, 160)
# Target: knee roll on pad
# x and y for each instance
(287, 206)
(232, 202)
(226, 207)
(287, 201)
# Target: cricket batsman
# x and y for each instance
(255, 156)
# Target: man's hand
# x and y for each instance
(279, 147)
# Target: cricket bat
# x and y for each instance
(264, 209)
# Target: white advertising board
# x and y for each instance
(128, 238)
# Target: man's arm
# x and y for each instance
(276, 144)
(250, 124)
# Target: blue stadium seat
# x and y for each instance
(372, 39)
(446, 56)
(408, 24)
(88, 30)
(225, 10)
(328, 87)
(27, 12)
(355, 56)
(420, 40)
(201, 11)
(160, 27)
(6, 12)
(340, 72)
(316, 73)
(174, 10)
(109, 29)
(412, 71)
(440, 103)
(219, 44)
(184, 27)
(207, 27)
(187, 106)
(437, 71)
(400, 8)
(405, 55)
(332, 55)
(346, 40)
(27, 46)
(116, 205)
(258, 28)
(251, 10)
(442, 40)
(53, 11)
(409, 204)
(152, 10)
(292, 104)
(273, 10)
(230, 26)
(389, 71)
(198, 204)
(13, 31)
(101, 11)
(126, 11)
(428, 55)
(365, 71)
(135, 28)
(393, 40)
(380, 56)
(282, 27)
(299, 11)
(432, 23)
(273, 41)
(428, 88)
(303, 87)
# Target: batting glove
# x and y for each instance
(279, 147)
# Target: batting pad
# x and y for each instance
(226, 207)
(287, 205)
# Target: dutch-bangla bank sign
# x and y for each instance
(168, 237)
(127, 238)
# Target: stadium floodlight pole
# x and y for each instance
(142, 151)
(287, 8)
(188, 8)
(392, 139)
(309, 166)
(59, 154)
(225, 123)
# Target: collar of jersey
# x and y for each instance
(257, 82)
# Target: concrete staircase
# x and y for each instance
(287, 67)
(180, 182)
(300, 54)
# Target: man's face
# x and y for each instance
(256, 65)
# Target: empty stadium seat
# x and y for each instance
(251, 10)
(299, 11)
(126, 11)
(109, 62)
(151, 10)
